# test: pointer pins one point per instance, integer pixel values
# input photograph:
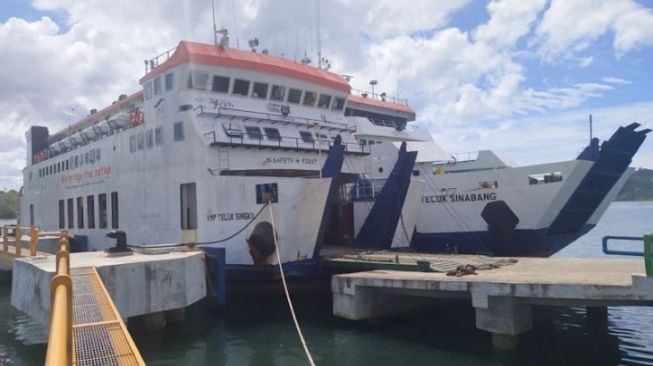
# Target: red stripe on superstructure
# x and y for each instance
(381, 104)
(89, 120)
(208, 54)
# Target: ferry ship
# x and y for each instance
(216, 133)
(480, 203)
(214, 136)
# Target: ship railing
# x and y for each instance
(362, 190)
(283, 142)
(274, 118)
(460, 157)
(14, 236)
(157, 60)
(647, 252)
(382, 97)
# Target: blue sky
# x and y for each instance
(519, 77)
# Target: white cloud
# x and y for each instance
(509, 21)
(456, 79)
(569, 27)
(615, 80)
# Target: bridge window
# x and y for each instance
(80, 212)
(233, 129)
(307, 137)
(149, 139)
(241, 87)
(71, 217)
(278, 93)
(141, 141)
(148, 90)
(267, 192)
(178, 131)
(169, 81)
(294, 95)
(272, 134)
(198, 79)
(114, 210)
(90, 207)
(220, 84)
(338, 104)
(545, 178)
(309, 98)
(324, 101)
(62, 214)
(254, 133)
(260, 91)
(132, 146)
(102, 209)
(158, 136)
(157, 86)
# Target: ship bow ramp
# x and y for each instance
(601, 182)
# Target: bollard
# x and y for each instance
(5, 238)
(17, 240)
(648, 254)
(33, 241)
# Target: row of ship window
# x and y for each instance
(198, 79)
(154, 137)
(272, 134)
(67, 212)
(90, 157)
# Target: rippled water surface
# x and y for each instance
(258, 330)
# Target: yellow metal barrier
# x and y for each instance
(85, 326)
(17, 239)
(60, 342)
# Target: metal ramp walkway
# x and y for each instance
(99, 334)
(85, 326)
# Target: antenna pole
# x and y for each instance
(215, 28)
(590, 128)
(318, 35)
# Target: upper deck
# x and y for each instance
(241, 86)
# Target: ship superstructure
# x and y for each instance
(214, 135)
(479, 202)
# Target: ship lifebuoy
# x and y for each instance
(136, 118)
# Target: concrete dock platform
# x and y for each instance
(139, 284)
(503, 297)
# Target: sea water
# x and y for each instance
(259, 331)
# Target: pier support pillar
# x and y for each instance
(505, 318)
(362, 303)
(154, 322)
(505, 342)
(176, 315)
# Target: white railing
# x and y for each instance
(363, 190)
(380, 97)
(152, 63)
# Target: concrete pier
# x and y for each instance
(503, 297)
(139, 284)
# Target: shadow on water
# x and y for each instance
(22, 340)
(258, 331)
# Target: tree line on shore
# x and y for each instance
(639, 187)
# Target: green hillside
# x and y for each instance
(639, 187)
(8, 204)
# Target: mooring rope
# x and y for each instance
(285, 288)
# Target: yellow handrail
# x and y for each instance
(35, 235)
(60, 343)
